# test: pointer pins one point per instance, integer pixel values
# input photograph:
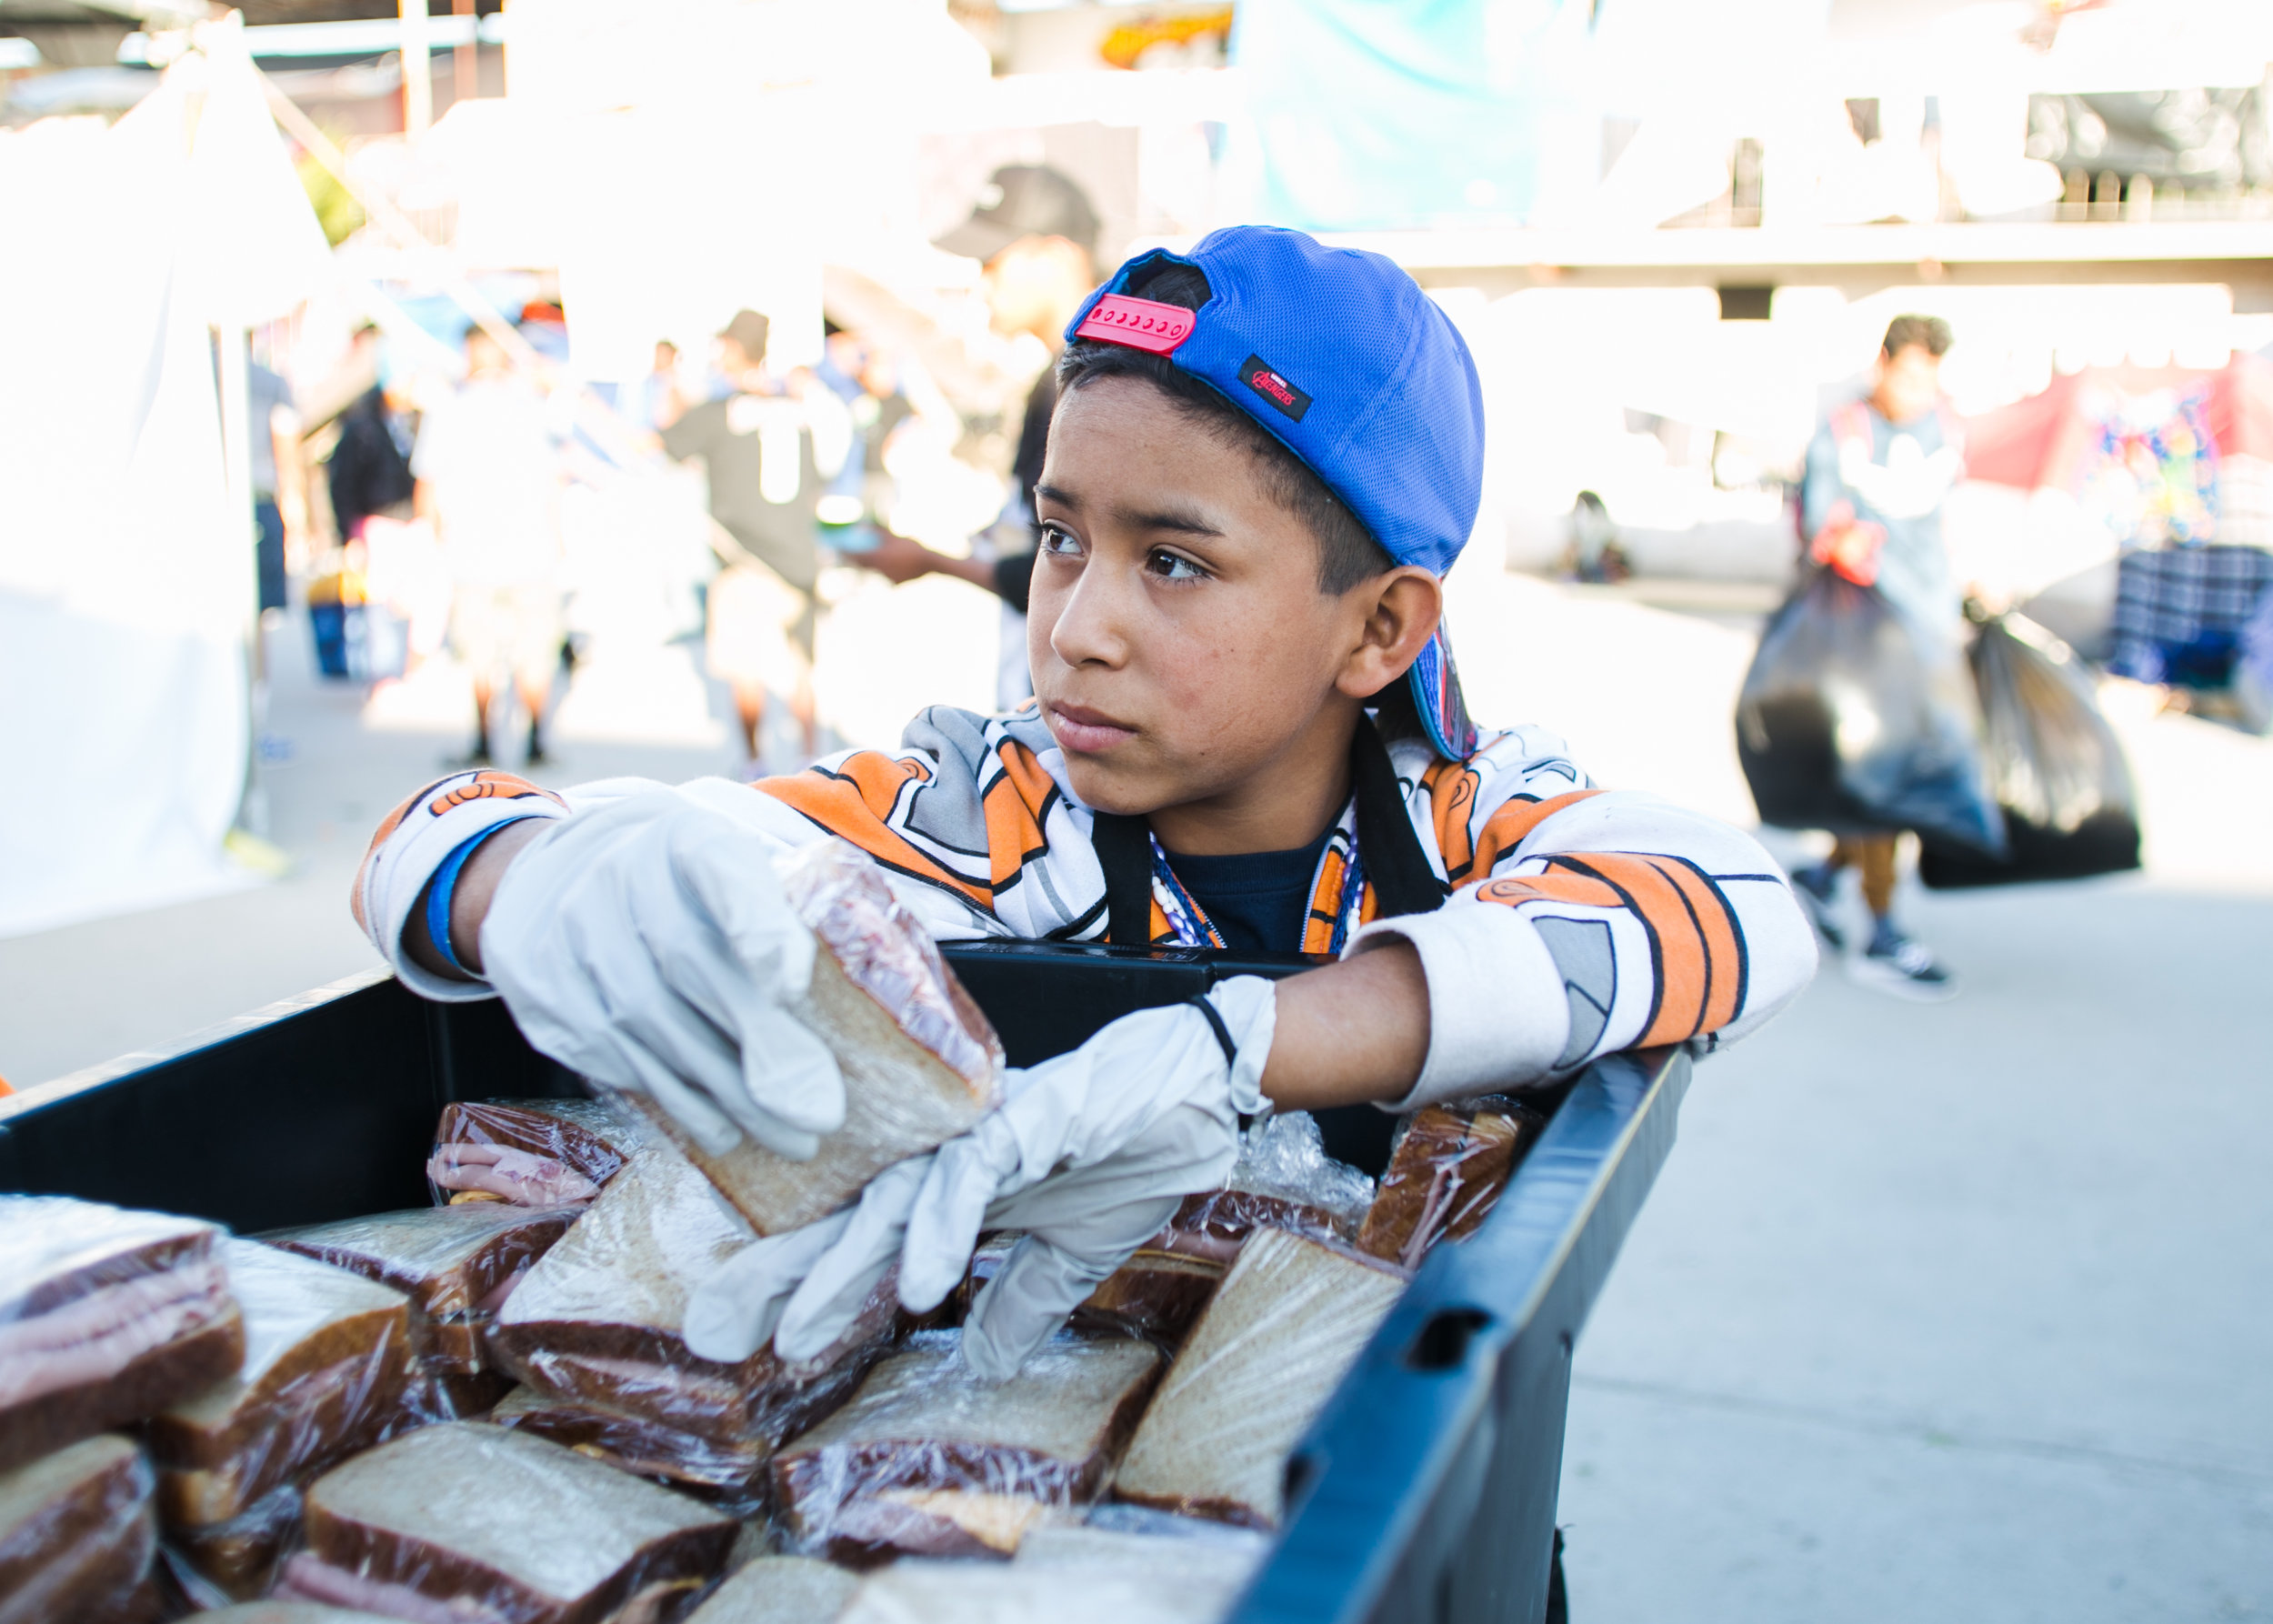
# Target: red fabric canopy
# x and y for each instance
(2039, 441)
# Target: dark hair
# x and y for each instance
(1930, 332)
(1346, 552)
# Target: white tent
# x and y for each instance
(126, 559)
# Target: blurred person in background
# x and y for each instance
(280, 490)
(770, 446)
(1035, 233)
(1870, 506)
(488, 479)
(861, 375)
(659, 397)
(369, 469)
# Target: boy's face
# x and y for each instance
(1181, 649)
(1908, 384)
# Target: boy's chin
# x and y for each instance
(1104, 788)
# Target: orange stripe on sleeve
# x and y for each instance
(1509, 824)
(1694, 937)
(854, 799)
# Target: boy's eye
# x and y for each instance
(1059, 543)
(1173, 566)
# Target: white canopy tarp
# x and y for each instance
(126, 572)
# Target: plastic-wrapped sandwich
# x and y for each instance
(1445, 1176)
(1283, 1179)
(779, 1591)
(1064, 1573)
(1282, 1330)
(533, 1152)
(76, 1537)
(468, 1521)
(636, 1444)
(920, 1061)
(1156, 1293)
(457, 1264)
(105, 1314)
(600, 1323)
(929, 1459)
(326, 1353)
(219, 1562)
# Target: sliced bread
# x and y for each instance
(533, 1152)
(779, 1591)
(478, 1516)
(326, 1353)
(106, 1315)
(920, 1062)
(601, 1321)
(76, 1534)
(1283, 1329)
(924, 1420)
(456, 1264)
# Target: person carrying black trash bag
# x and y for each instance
(1871, 509)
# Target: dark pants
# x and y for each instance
(268, 552)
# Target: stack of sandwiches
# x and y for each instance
(485, 1411)
(326, 1359)
(597, 1336)
(457, 1264)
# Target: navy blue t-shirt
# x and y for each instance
(1259, 901)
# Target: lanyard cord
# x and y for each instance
(1404, 881)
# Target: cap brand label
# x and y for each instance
(1274, 387)
(1137, 324)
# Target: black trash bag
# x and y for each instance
(1850, 722)
(2055, 765)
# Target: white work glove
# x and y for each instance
(648, 945)
(1089, 1154)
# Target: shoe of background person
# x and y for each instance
(476, 757)
(1895, 964)
(1818, 890)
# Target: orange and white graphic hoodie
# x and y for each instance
(1562, 922)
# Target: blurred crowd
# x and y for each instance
(451, 503)
(451, 490)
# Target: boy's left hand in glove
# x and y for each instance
(1089, 1154)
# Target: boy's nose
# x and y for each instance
(1092, 629)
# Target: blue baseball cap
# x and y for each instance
(1339, 355)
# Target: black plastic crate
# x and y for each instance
(1426, 1489)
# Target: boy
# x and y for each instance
(1239, 556)
(1870, 505)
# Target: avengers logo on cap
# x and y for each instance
(1273, 386)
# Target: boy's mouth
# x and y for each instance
(1085, 732)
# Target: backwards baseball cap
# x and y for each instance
(1023, 200)
(1339, 355)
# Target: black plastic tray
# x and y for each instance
(1427, 1491)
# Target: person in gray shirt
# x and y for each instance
(770, 446)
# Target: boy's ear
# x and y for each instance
(1402, 610)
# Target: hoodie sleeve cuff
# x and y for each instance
(1497, 1016)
